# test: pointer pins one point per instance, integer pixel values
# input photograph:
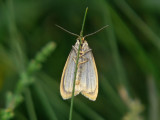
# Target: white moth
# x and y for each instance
(86, 81)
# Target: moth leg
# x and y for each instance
(81, 52)
(74, 59)
(75, 49)
(83, 61)
(84, 52)
(87, 51)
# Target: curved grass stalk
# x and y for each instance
(81, 36)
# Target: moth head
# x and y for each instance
(81, 40)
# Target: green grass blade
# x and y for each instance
(45, 102)
(30, 105)
(138, 22)
(72, 99)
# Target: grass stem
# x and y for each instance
(75, 73)
(30, 105)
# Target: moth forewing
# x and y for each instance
(67, 78)
(89, 75)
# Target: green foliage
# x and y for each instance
(26, 78)
(126, 54)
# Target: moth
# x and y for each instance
(86, 81)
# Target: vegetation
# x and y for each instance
(33, 52)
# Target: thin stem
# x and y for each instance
(71, 108)
(153, 98)
(44, 101)
(30, 105)
(84, 19)
(75, 73)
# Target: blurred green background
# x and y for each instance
(127, 55)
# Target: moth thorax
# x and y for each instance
(85, 46)
(77, 44)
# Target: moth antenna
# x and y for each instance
(96, 31)
(67, 30)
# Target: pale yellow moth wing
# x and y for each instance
(89, 77)
(67, 78)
